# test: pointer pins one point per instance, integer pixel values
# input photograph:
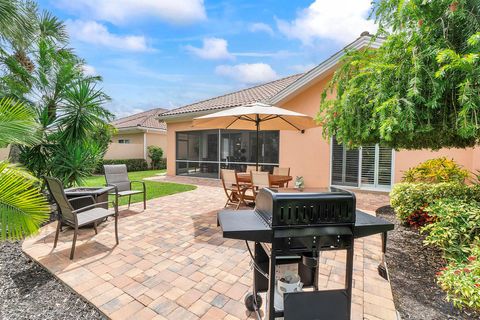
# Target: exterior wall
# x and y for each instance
(307, 154)
(133, 150)
(4, 153)
(172, 128)
(405, 159)
(157, 139)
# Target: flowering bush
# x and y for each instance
(456, 227)
(410, 199)
(435, 171)
(461, 280)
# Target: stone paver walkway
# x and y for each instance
(172, 263)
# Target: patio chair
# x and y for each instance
(279, 171)
(260, 180)
(67, 215)
(116, 175)
(236, 192)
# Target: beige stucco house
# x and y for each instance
(135, 133)
(322, 162)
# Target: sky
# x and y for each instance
(169, 53)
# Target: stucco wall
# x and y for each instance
(133, 150)
(171, 152)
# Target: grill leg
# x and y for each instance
(349, 277)
(270, 306)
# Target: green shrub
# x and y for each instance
(461, 280)
(409, 198)
(456, 227)
(435, 171)
(132, 164)
(155, 154)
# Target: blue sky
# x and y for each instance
(168, 53)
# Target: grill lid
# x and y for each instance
(306, 207)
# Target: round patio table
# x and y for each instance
(275, 180)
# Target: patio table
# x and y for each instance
(276, 180)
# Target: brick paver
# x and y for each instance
(172, 262)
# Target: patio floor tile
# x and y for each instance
(173, 263)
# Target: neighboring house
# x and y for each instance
(135, 133)
(4, 153)
(321, 162)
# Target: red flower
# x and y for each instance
(466, 270)
(457, 272)
(443, 269)
(477, 285)
(420, 22)
(439, 273)
(472, 258)
(453, 6)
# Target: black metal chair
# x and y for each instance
(67, 215)
(116, 175)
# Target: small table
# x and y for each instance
(99, 194)
(276, 180)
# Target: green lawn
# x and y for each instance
(154, 189)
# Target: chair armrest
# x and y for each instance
(81, 198)
(138, 181)
(96, 205)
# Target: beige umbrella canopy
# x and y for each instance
(256, 116)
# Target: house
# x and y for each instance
(321, 162)
(135, 133)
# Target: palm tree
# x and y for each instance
(22, 206)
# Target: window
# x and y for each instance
(368, 167)
(203, 153)
(124, 141)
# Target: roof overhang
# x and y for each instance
(140, 129)
(324, 68)
(188, 116)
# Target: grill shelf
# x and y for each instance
(291, 227)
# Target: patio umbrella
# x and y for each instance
(256, 116)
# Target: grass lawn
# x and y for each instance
(154, 189)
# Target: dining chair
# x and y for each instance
(236, 192)
(76, 218)
(279, 171)
(251, 168)
(260, 180)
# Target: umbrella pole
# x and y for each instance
(257, 124)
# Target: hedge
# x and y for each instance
(132, 164)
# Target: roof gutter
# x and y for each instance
(134, 129)
(187, 116)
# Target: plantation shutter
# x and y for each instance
(344, 165)
(368, 165)
(384, 166)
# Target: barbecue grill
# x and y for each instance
(292, 226)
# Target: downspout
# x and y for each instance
(145, 145)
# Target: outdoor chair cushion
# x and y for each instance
(92, 215)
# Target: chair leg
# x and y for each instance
(116, 227)
(59, 226)
(95, 227)
(144, 201)
(75, 232)
(129, 199)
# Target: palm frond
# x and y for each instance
(17, 123)
(22, 206)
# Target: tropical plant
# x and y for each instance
(155, 153)
(22, 206)
(418, 90)
(435, 171)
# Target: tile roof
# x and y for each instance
(260, 93)
(147, 119)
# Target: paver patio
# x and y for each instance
(172, 262)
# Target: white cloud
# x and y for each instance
(89, 70)
(212, 49)
(98, 34)
(261, 27)
(302, 67)
(121, 11)
(340, 20)
(248, 73)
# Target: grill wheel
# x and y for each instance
(250, 302)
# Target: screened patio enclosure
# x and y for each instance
(203, 153)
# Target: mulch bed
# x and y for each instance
(412, 268)
(27, 291)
